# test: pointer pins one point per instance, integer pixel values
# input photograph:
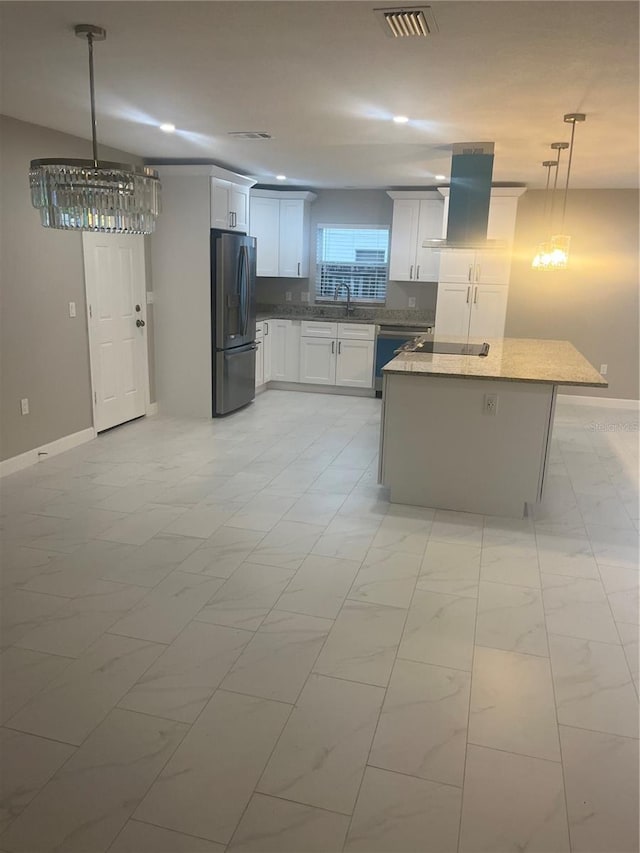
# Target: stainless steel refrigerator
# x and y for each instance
(233, 320)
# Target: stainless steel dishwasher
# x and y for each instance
(388, 340)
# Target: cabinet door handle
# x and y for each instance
(298, 269)
(475, 295)
(411, 272)
(339, 347)
(478, 272)
(468, 293)
(470, 271)
(266, 328)
(333, 347)
(418, 272)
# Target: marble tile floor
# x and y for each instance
(220, 636)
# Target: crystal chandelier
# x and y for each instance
(95, 195)
(554, 254)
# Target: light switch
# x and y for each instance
(72, 309)
(24, 406)
(412, 302)
(149, 297)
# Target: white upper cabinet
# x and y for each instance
(280, 223)
(457, 266)
(229, 205)
(502, 217)
(294, 238)
(264, 226)
(416, 217)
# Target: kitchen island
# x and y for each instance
(472, 433)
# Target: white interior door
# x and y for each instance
(116, 305)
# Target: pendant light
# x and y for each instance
(556, 253)
(95, 195)
(543, 258)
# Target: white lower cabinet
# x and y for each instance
(259, 364)
(285, 350)
(354, 365)
(318, 361)
(337, 354)
(315, 352)
(267, 350)
(477, 310)
(259, 354)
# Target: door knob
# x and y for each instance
(140, 323)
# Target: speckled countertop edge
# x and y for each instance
(331, 314)
(509, 360)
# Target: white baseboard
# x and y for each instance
(275, 385)
(152, 409)
(46, 451)
(605, 402)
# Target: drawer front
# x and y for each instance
(356, 331)
(317, 329)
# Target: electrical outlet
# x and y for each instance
(24, 406)
(72, 309)
(603, 369)
(288, 296)
(304, 296)
(412, 302)
(490, 404)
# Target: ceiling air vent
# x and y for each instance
(249, 134)
(400, 22)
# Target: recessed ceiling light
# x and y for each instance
(167, 127)
(400, 119)
(440, 177)
(281, 177)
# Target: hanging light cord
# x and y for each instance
(94, 123)
(566, 187)
(555, 184)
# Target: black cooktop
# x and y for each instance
(426, 344)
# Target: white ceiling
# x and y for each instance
(324, 80)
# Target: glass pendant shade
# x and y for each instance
(88, 195)
(95, 195)
(553, 254)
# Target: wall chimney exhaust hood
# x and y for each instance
(469, 197)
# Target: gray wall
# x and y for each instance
(44, 354)
(594, 303)
(347, 207)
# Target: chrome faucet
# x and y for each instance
(349, 306)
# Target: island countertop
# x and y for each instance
(509, 360)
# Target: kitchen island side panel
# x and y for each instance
(441, 449)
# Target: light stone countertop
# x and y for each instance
(509, 360)
(420, 319)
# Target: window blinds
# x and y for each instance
(354, 256)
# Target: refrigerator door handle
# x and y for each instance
(245, 253)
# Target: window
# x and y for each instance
(357, 257)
